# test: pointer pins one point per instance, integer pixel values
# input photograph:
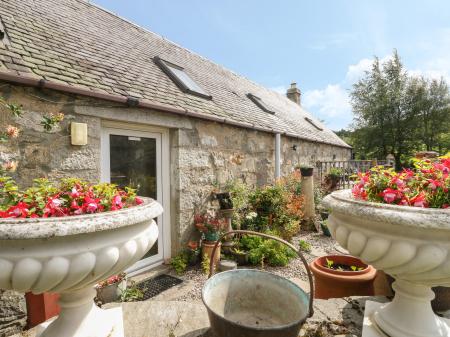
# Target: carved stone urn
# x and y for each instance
(69, 255)
(412, 244)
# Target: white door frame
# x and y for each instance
(163, 182)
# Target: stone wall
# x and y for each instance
(210, 154)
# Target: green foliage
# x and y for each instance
(180, 262)
(206, 262)
(304, 246)
(266, 251)
(131, 293)
(398, 113)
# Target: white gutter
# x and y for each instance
(277, 155)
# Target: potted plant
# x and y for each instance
(209, 225)
(400, 223)
(306, 171)
(64, 238)
(240, 256)
(324, 227)
(110, 289)
(225, 201)
(341, 276)
(193, 253)
(332, 178)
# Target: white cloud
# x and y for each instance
(435, 69)
(331, 101)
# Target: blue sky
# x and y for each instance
(323, 45)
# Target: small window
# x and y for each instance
(261, 104)
(181, 79)
(310, 121)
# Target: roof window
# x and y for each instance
(310, 121)
(261, 104)
(180, 78)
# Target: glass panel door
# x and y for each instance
(133, 158)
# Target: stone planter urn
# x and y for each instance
(69, 255)
(412, 244)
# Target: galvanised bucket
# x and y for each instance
(253, 303)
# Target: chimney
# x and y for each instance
(294, 93)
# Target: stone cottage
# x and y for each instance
(158, 116)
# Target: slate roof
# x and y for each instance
(80, 44)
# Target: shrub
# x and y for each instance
(267, 251)
(304, 246)
(180, 262)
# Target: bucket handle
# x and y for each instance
(267, 236)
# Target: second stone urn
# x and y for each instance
(410, 243)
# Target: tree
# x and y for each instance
(399, 114)
(432, 107)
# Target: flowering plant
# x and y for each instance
(428, 185)
(70, 197)
(112, 280)
(207, 223)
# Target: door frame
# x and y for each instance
(163, 168)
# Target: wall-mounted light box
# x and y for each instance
(78, 133)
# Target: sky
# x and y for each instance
(324, 45)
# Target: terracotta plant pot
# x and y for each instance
(207, 248)
(41, 307)
(330, 283)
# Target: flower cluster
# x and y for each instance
(207, 223)
(428, 185)
(112, 280)
(70, 197)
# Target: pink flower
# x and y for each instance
(138, 201)
(433, 184)
(390, 195)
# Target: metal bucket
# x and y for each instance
(253, 303)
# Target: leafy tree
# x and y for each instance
(399, 114)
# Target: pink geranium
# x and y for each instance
(428, 185)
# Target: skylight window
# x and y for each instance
(181, 79)
(261, 104)
(310, 121)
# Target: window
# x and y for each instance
(310, 121)
(261, 104)
(181, 79)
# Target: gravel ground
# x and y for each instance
(320, 245)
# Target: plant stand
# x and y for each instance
(408, 315)
(228, 242)
(80, 317)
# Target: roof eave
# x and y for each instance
(33, 81)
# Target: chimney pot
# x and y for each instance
(294, 93)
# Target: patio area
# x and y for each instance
(179, 311)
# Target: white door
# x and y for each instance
(134, 158)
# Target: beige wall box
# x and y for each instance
(78, 132)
